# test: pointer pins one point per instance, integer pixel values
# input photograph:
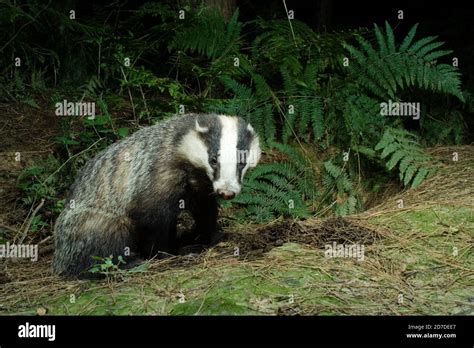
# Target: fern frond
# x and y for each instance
(209, 35)
(408, 39)
(386, 70)
(336, 180)
(390, 38)
(279, 188)
(401, 147)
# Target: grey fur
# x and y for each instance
(128, 196)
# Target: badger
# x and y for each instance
(126, 200)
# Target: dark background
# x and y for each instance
(451, 21)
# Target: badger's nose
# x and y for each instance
(226, 194)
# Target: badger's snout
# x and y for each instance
(227, 189)
(226, 194)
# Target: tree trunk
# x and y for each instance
(324, 14)
(225, 7)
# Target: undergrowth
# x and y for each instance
(298, 88)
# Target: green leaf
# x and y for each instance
(411, 170)
(123, 132)
(390, 38)
(396, 157)
(381, 41)
(389, 149)
(420, 176)
(66, 140)
(408, 39)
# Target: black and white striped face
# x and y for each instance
(225, 147)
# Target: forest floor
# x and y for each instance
(416, 259)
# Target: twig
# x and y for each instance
(44, 240)
(70, 158)
(130, 96)
(289, 21)
(144, 102)
(5, 227)
(46, 250)
(31, 220)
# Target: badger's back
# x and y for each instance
(133, 186)
(122, 170)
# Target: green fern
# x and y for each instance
(385, 70)
(304, 108)
(242, 102)
(253, 104)
(280, 188)
(339, 189)
(276, 40)
(401, 148)
(208, 35)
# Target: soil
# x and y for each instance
(254, 243)
(314, 233)
(27, 133)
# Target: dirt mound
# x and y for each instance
(312, 232)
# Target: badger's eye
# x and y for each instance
(213, 160)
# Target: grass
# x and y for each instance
(421, 264)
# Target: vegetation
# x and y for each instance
(306, 93)
(334, 169)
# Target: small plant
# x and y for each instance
(106, 266)
(37, 223)
(303, 109)
(40, 180)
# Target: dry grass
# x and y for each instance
(417, 260)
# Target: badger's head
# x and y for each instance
(225, 147)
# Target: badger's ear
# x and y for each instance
(200, 129)
(255, 151)
(255, 154)
(250, 129)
